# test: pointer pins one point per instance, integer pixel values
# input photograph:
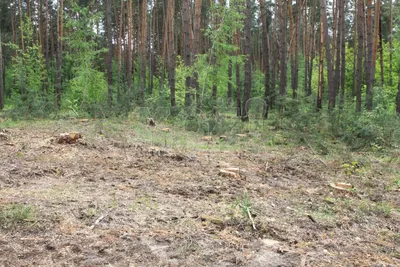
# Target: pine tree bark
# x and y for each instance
(186, 49)
(40, 26)
(390, 43)
(331, 89)
(1, 75)
(283, 25)
(381, 51)
(274, 56)
(21, 23)
(398, 96)
(46, 36)
(375, 42)
(360, 52)
(312, 48)
(343, 53)
(292, 44)
(267, 93)
(369, 58)
(296, 50)
(321, 68)
(247, 60)
(229, 92)
(338, 47)
(355, 41)
(143, 42)
(129, 49)
(58, 82)
(119, 49)
(237, 74)
(306, 39)
(171, 50)
(110, 50)
(196, 43)
(14, 28)
(151, 49)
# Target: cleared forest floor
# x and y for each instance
(115, 198)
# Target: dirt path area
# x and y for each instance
(105, 201)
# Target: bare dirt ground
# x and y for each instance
(113, 199)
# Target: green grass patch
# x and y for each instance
(12, 215)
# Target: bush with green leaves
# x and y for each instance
(31, 95)
(88, 87)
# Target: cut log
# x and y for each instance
(68, 138)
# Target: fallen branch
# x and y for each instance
(98, 220)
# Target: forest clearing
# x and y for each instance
(128, 194)
(200, 133)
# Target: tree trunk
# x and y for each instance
(398, 95)
(237, 70)
(196, 43)
(375, 43)
(331, 89)
(1, 75)
(275, 57)
(355, 35)
(21, 23)
(151, 49)
(360, 52)
(40, 26)
(321, 69)
(267, 93)
(58, 83)
(381, 51)
(171, 50)
(369, 63)
(238, 99)
(295, 77)
(110, 50)
(343, 53)
(14, 29)
(186, 48)
(306, 30)
(283, 25)
(229, 93)
(143, 51)
(247, 62)
(312, 48)
(129, 52)
(338, 47)
(119, 50)
(390, 43)
(292, 43)
(46, 35)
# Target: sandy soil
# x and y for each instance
(108, 201)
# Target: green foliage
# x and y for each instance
(373, 130)
(351, 168)
(13, 214)
(246, 207)
(88, 86)
(29, 96)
